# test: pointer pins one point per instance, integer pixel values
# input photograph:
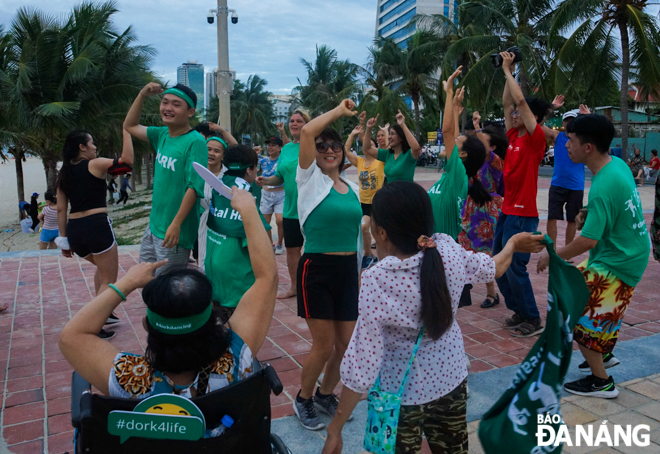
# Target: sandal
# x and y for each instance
(491, 301)
(528, 329)
(513, 322)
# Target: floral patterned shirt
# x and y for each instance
(389, 323)
(131, 377)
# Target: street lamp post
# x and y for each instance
(224, 79)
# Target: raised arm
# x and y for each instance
(280, 128)
(224, 133)
(132, 121)
(524, 111)
(91, 356)
(448, 120)
(361, 118)
(476, 121)
(352, 157)
(410, 137)
(315, 127)
(509, 106)
(254, 312)
(367, 147)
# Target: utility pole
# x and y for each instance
(223, 82)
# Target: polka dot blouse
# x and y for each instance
(389, 323)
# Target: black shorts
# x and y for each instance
(90, 235)
(328, 287)
(366, 209)
(558, 197)
(293, 237)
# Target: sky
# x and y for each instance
(270, 38)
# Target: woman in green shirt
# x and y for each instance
(401, 158)
(328, 272)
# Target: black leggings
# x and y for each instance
(124, 197)
(35, 222)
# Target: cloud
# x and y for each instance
(270, 38)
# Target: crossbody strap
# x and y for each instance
(412, 358)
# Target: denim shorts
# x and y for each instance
(47, 236)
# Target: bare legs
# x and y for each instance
(106, 268)
(292, 258)
(366, 235)
(329, 342)
(571, 228)
(595, 361)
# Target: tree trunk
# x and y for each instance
(625, 69)
(137, 170)
(522, 77)
(52, 174)
(19, 155)
(418, 124)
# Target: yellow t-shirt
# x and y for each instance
(371, 178)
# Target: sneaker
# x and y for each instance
(306, 413)
(279, 249)
(328, 404)
(366, 261)
(594, 387)
(608, 361)
(106, 335)
(112, 319)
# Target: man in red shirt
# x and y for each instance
(654, 165)
(519, 214)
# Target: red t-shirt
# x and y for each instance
(521, 172)
(655, 163)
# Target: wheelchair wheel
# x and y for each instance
(278, 445)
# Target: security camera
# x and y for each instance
(210, 17)
(234, 18)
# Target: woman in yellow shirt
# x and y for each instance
(371, 173)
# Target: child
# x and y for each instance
(48, 217)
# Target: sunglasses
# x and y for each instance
(323, 147)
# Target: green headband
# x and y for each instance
(237, 166)
(180, 94)
(183, 325)
(218, 139)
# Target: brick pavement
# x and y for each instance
(44, 292)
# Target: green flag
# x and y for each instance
(511, 424)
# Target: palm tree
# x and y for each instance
(597, 21)
(252, 110)
(413, 69)
(329, 80)
(379, 98)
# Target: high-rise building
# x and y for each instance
(281, 107)
(393, 16)
(191, 75)
(210, 89)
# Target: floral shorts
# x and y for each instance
(609, 297)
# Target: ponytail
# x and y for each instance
(70, 153)
(403, 209)
(478, 192)
(437, 313)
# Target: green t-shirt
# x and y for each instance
(616, 221)
(287, 166)
(334, 225)
(401, 168)
(173, 175)
(448, 196)
(227, 263)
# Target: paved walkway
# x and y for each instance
(44, 290)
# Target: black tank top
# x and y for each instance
(86, 192)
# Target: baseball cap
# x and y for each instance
(35, 194)
(275, 140)
(570, 114)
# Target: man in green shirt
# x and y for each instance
(227, 261)
(174, 218)
(615, 235)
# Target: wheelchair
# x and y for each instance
(246, 401)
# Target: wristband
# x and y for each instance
(481, 130)
(112, 286)
(63, 243)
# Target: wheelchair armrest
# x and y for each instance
(273, 379)
(81, 400)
